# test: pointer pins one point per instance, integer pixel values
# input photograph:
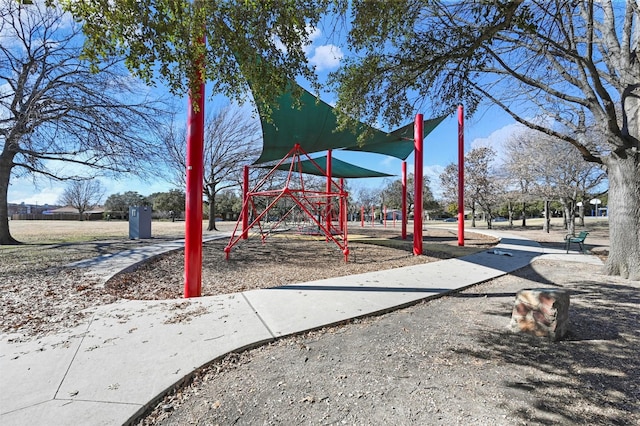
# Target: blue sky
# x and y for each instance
(487, 127)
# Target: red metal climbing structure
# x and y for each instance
(318, 206)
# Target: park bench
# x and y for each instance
(570, 238)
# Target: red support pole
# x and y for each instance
(460, 176)
(345, 237)
(328, 211)
(194, 178)
(343, 213)
(404, 200)
(245, 202)
(417, 183)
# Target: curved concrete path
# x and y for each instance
(105, 267)
(111, 368)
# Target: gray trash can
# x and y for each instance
(139, 222)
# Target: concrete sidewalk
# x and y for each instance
(105, 267)
(108, 370)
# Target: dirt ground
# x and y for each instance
(442, 362)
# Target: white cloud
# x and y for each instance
(433, 171)
(23, 191)
(326, 57)
(314, 33)
(388, 162)
(497, 139)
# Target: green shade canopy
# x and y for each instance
(312, 124)
(339, 168)
(401, 144)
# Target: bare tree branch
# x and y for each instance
(232, 140)
(57, 108)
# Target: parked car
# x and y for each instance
(451, 219)
(500, 219)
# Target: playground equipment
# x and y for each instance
(293, 129)
(298, 127)
(319, 206)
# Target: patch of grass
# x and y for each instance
(63, 231)
(28, 258)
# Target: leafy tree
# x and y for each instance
(392, 193)
(120, 203)
(231, 141)
(159, 39)
(82, 195)
(56, 108)
(555, 66)
(428, 200)
(172, 202)
(229, 203)
(449, 184)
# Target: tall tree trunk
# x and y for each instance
(581, 210)
(212, 211)
(546, 225)
(5, 174)
(569, 216)
(624, 215)
(212, 218)
(524, 214)
(473, 216)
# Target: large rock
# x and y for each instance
(542, 312)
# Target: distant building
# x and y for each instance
(45, 212)
(23, 208)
